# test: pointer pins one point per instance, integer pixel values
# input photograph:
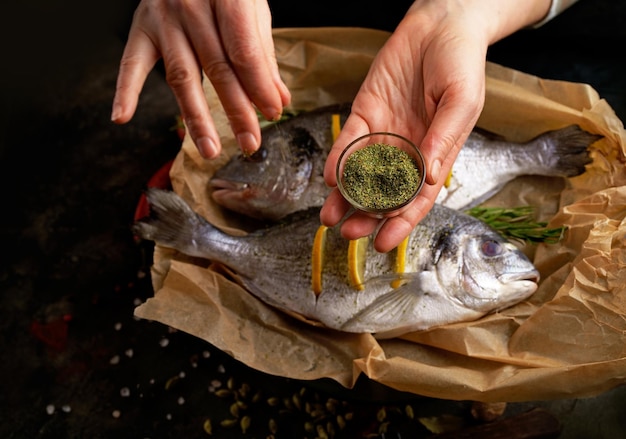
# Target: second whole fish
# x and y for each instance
(456, 268)
(286, 174)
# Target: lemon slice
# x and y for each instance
(317, 259)
(336, 126)
(400, 262)
(357, 253)
(446, 183)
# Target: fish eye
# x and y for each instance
(257, 156)
(491, 248)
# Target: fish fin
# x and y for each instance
(172, 223)
(393, 305)
(567, 150)
(487, 135)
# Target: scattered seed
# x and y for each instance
(273, 401)
(330, 428)
(257, 397)
(287, 403)
(245, 423)
(50, 409)
(227, 423)
(273, 427)
(348, 416)
(296, 401)
(244, 390)
(382, 429)
(341, 422)
(208, 428)
(381, 415)
(230, 383)
(321, 433)
(223, 393)
(331, 405)
(409, 412)
(308, 426)
(317, 414)
(234, 410)
(169, 383)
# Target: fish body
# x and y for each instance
(286, 174)
(457, 268)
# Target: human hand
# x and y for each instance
(427, 83)
(231, 41)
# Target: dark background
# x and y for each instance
(71, 272)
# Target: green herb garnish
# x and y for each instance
(518, 223)
(287, 114)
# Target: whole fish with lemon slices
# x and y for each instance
(454, 268)
(286, 174)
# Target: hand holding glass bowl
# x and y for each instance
(380, 174)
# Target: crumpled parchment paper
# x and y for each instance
(567, 340)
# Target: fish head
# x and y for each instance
(491, 272)
(269, 182)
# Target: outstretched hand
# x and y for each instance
(231, 41)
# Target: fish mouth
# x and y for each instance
(219, 184)
(530, 276)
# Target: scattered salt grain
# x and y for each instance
(116, 414)
(125, 392)
(50, 409)
(117, 326)
(181, 400)
(137, 301)
(129, 353)
(182, 374)
(164, 342)
(168, 417)
(115, 359)
(206, 354)
(221, 368)
(66, 408)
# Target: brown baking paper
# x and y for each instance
(567, 340)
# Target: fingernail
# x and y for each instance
(207, 148)
(116, 112)
(247, 142)
(435, 170)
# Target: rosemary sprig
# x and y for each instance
(518, 223)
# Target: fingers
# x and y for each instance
(231, 41)
(237, 55)
(138, 59)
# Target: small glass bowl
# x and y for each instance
(386, 139)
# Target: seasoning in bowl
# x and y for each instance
(380, 173)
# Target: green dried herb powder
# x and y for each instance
(380, 176)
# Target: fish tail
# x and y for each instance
(172, 223)
(567, 150)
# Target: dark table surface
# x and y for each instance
(75, 362)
